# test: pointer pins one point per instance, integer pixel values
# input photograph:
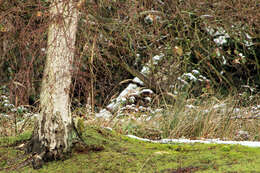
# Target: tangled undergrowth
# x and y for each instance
(209, 116)
(218, 39)
(198, 118)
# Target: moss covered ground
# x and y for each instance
(107, 151)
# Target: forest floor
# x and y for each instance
(108, 151)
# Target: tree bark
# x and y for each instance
(52, 135)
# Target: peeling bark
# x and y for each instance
(52, 135)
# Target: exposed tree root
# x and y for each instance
(15, 165)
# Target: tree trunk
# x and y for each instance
(52, 135)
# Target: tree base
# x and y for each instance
(42, 154)
(37, 161)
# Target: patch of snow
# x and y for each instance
(158, 110)
(224, 60)
(206, 141)
(220, 34)
(183, 81)
(145, 70)
(242, 134)
(195, 72)
(190, 106)
(206, 16)
(157, 58)
(241, 55)
(5, 115)
(190, 76)
(6, 103)
(161, 2)
(135, 137)
(35, 115)
(206, 111)
(132, 90)
(248, 43)
(21, 108)
(122, 97)
(210, 30)
(148, 118)
(20, 122)
(137, 80)
(4, 97)
(141, 108)
(132, 99)
(146, 91)
(203, 77)
(148, 99)
(236, 110)
(13, 109)
(103, 114)
(256, 107)
(148, 19)
(130, 107)
(172, 86)
(109, 128)
(249, 87)
(220, 40)
(27, 114)
(219, 106)
(248, 36)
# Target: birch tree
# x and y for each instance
(52, 135)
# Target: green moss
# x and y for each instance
(79, 123)
(15, 139)
(107, 151)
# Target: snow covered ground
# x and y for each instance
(206, 141)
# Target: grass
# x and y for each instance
(204, 117)
(108, 151)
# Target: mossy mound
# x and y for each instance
(107, 151)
